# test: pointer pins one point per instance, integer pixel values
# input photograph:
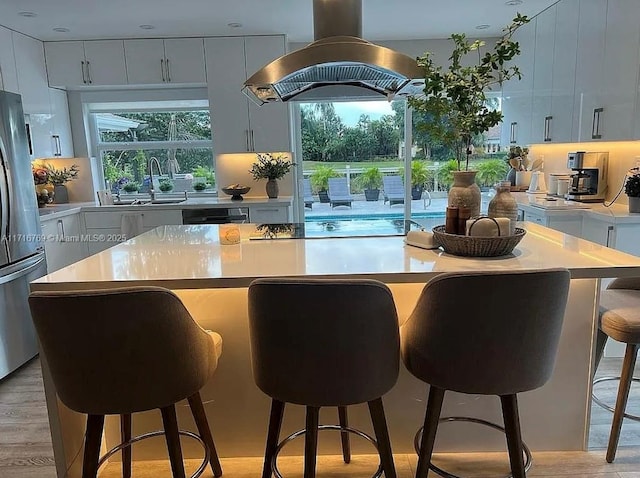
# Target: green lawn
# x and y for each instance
(340, 165)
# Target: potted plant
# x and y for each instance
(632, 188)
(207, 174)
(419, 177)
(320, 181)
(454, 105)
(131, 187)
(371, 181)
(199, 186)
(271, 168)
(166, 185)
(58, 178)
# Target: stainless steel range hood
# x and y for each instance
(338, 56)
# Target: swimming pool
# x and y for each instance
(373, 217)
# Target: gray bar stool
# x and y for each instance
(122, 351)
(323, 343)
(465, 327)
(620, 320)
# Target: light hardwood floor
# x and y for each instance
(25, 445)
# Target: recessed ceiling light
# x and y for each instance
(28, 14)
(512, 3)
(234, 25)
(147, 27)
(61, 30)
(484, 26)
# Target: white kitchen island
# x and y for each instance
(212, 280)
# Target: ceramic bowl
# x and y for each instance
(237, 192)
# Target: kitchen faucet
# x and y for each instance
(153, 160)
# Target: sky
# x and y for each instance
(350, 111)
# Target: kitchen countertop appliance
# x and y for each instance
(22, 257)
(589, 176)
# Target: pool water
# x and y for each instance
(373, 217)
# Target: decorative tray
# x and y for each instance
(474, 246)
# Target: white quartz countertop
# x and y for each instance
(182, 257)
(617, 213)
(54, 211)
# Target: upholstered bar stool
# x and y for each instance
(620, 320)
(104, 362)
(491, 343)
(323, 343)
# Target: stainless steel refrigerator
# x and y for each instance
(21, 249)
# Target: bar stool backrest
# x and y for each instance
(323, 342)
(121, 350)
(630, 283)
(490, 333)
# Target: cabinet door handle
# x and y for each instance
(56, 140)
(547, 128)
(162, 69)
(89, 72)
(609, 231)
(246, 136)
(61, 235)
(84, 75)
(168, 70)
(513, 138)
(595, 126)
(253, 144)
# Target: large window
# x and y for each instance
(128, 140)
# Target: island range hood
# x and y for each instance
(338, 57)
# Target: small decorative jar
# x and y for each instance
(504, 204)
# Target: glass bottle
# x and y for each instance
(504, 204)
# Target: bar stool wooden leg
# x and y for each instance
(95, 424)
(621, 402)
(200, 417)
(514, 438)
(125, 435)
(170, 422)
(273, 435)
(432, 415)
(311, 442)
(344, 435)
(379, 421)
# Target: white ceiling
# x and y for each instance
(382, 19)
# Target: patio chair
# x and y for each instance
(307, 193)
(339, 192)
(393, 189)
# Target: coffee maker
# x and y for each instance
(589, 177)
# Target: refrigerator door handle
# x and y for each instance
(21, 268)
(5, 201)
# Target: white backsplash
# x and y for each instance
(233, 168)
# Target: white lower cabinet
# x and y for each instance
(622, 237)
(568, 224)
(276, 214)
(109, 228)
(64, 242)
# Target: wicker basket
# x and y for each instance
(473, 246)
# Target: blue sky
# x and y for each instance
(350, 111)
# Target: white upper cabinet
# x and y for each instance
(32, 74)
(589, 69)
(165, 61)
(620, 73)
(78, 63)
(184, 60)
(61, 129)
(8, 73)
(517, 96)
(541, 118)
(145, 61)
(105, 62)
(238, 125)
(564, 71)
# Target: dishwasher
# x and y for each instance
(215, 215)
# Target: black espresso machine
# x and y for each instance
(589, 176)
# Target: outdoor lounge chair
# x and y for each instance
(307, 193)
(339, 192)
(393, 189)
